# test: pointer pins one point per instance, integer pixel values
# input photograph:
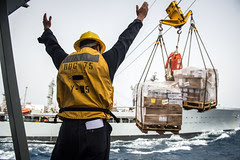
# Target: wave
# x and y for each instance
(174, 143)
(115, 150)
(7, 154)
(141, 146)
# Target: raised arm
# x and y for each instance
(142, 12)
(52, 47)
(115, 56)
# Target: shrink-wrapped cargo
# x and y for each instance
(159, 105)
(197, 85)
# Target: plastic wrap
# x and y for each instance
(197, 84)
(159, 103)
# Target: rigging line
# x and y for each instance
(150, 64)
(179, 2)
(204, 48)
(149, 59)
(141, 42)
(164, 48)
(141, 79)
(184, 49)
(162, 56)
(155, 28)
(190, 45)
(144, 51)
(190, 6)
(216, 80)
(199, 46)
(135, 59)
(152, 4)
(146, 38)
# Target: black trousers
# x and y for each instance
(76, 143)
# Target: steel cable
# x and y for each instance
(146, 38)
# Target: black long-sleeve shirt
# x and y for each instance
(114, 57)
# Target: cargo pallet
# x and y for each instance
(200, 106)
(160, 129)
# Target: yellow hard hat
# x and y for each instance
(89, 35)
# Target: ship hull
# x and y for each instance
(193, 123)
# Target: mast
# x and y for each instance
(4, 104)
(25, 95)
(50, 96)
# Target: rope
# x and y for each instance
(205, 48)
(154, 53)
(152, 4)
(146, 38)
(190, 44)
(216, 85)
(141, 42)
(199, 39)
(184, 49)
(134, 60)
(179, 33)
(149, 59)
(162, 56)
(179, 2)
(148, 66)
(190, 6)
(200, 48)
(144, 52)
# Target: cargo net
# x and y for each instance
(159, 107)
(199, 87)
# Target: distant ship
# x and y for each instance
(39, 122)
(193, 123)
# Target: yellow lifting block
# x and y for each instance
(177, 19)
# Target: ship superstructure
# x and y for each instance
(193, 122)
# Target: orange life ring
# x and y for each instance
(26, 110)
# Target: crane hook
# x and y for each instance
(179, 31)
(160, 26)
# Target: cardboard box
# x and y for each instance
(191, 82)
(174, 109)
(198, 95)
(164, 119)
(190, 72)
(156, 110)
(175, 119)
(154, 102)
(197, 83)
(167, 109)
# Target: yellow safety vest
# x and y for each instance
(83, 81)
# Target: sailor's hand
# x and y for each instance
(142, 12)
(47, 23)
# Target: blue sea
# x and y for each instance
(219, 145)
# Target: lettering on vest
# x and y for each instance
(83, 89)
(81, 57)
(70, 66)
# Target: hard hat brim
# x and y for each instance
(77, 44)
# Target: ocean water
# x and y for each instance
(220, 145)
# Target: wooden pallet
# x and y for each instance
(200, 106)
(160, 129)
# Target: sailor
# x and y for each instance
(85, 91)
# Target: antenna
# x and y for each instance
(25, 95)
(4, 104)
(50, 95)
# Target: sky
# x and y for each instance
(217, 22)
